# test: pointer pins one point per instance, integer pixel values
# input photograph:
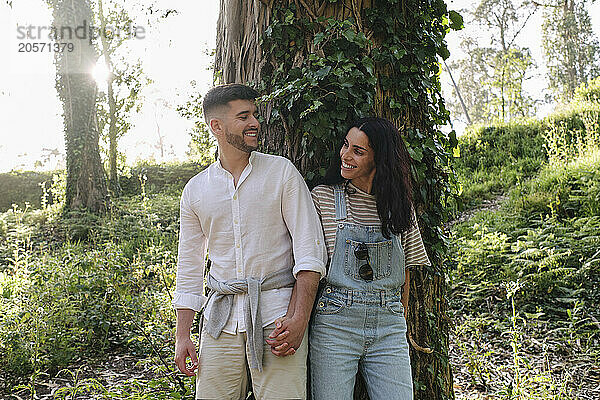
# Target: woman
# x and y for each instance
(372, 238)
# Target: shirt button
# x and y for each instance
(237, 245)
(341, 226)
(321, 304)
(235, 196)
(235, 221)
(328, 290)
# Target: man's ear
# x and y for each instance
(216, 126)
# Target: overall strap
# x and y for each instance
(340, 203)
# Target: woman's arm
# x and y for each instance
(406, 291)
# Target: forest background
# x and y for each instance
(85, 295)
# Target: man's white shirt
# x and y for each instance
(266, 223)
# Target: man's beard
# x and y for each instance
(239, 143)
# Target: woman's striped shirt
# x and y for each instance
(361, 209)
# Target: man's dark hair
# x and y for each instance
(221, 95)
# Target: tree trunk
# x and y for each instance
(86, 181)
(239, 59)
(113, 179)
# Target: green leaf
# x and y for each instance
(323, 71)
(456, 20)
(318, 38)
(415, 153)
(350, 35)
(444, 52)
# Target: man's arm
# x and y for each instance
(188, 297)
(184, 347)
(288, 334)
(310, 257)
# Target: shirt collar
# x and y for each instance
(220, 168)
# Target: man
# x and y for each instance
(254, 215)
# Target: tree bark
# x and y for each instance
(86, 181)
(239, 60)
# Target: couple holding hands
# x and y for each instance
(274, 248)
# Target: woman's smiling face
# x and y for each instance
(358, 159)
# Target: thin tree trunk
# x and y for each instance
(462, 103)
(113, 179)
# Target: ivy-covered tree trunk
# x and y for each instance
(324, 63)
(86, 181)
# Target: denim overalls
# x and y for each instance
(359, 324)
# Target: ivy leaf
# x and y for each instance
(399, 53)
(289, 17)
(350, 35)
(318, 38)
(456, 20)
(415, 153)
(444, 52)
(323, 71)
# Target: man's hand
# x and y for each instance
(287, 336)
(184, 348)
(289, 331)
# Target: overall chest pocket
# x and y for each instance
(380, 259)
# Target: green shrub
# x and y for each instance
(167, 177)
(19, 187)
(495, 158)
(25, 187)
(101, 285)
(572, 131)
(562, 191)
(588, 92)
(546, 236)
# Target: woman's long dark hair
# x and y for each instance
(392, 184)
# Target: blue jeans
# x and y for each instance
(359, 332)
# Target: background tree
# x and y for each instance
(571, 50)
(159, 107)
(202, 144)
(323, 64)
(492, 76)
(86, 182)
(125, 76)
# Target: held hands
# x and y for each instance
(184, 348)
(287, 336)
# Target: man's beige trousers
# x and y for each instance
(223, 370)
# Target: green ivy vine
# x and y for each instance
(337, 82)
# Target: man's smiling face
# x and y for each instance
(241, 125)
